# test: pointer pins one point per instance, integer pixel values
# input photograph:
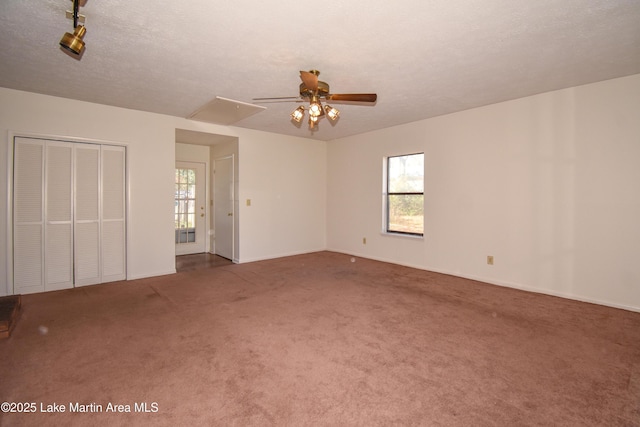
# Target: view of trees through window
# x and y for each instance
(405, 194)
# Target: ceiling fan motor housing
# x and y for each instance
(323, 90)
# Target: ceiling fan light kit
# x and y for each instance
(314, 91)
(332, 113)
(298, 114)
(74, 43)
(315, 108)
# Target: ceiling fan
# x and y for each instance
(314, 91)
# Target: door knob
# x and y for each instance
(201, 214)
(230, 214)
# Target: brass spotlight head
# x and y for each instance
(73, 42)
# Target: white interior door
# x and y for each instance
(28, 216)
(87, 215)
(223, 203)
(190, 211)
(58, 194)
(114, 224)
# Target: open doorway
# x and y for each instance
(221, 234)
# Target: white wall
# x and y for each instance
(548, 185)
(150, 159)
(288, 211)
(285, 178)
(193, 153)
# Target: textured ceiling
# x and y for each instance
(422, 58)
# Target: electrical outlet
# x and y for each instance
(364, 240)
(490, 259)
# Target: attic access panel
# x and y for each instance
(223, 111)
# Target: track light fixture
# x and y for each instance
(73, 42)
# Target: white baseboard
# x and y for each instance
(147, 275)
(500, 283)
(264, 258)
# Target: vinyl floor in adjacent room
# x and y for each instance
(315, 340)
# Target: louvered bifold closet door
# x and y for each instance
(58, 259)
(87, 214)
(28, 215)
(113, 214)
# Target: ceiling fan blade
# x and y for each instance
(277, 97)
(310, 80)
(354, 97)
(275, 101)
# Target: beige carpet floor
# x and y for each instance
(319, 340)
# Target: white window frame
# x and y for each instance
(385, 199)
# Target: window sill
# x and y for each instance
(402, 236)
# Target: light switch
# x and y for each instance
(248, 202)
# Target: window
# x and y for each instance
(185, 206)
(404, 194)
